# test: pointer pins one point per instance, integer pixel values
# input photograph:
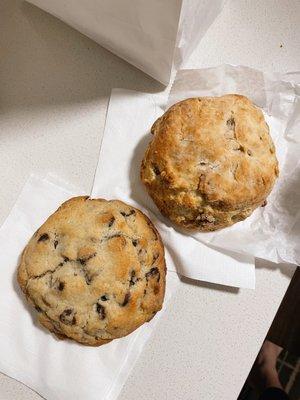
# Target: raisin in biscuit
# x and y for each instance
(94, 271)
(211, 162)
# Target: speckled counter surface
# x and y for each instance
(54, 88)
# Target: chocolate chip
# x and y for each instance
(231, 123)
(156, 170)
(111, 222)
(133, 278)
(43, 237)
(67, 317)
(264, 203)
(61, 286)
(126, 299)
(55, 243)
(101, 311)
(152, 273)
(131, 212)
(135, 242)
(104, 298)
(83, 260)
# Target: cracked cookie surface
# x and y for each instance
(94, 271)
(211, 162)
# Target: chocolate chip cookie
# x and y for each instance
(94, 271)
(211, 162)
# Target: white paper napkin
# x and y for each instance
(272, 232)
(56, 369)
(126, 135)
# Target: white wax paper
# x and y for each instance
(56, 369)
(126, 135)
(272, 232)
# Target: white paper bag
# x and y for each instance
(153, 35)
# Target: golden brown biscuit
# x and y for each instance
(211, 162)
(95, 270)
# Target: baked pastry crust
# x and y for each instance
(211, 162)
(94, 271)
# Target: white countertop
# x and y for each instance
(54, 88)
